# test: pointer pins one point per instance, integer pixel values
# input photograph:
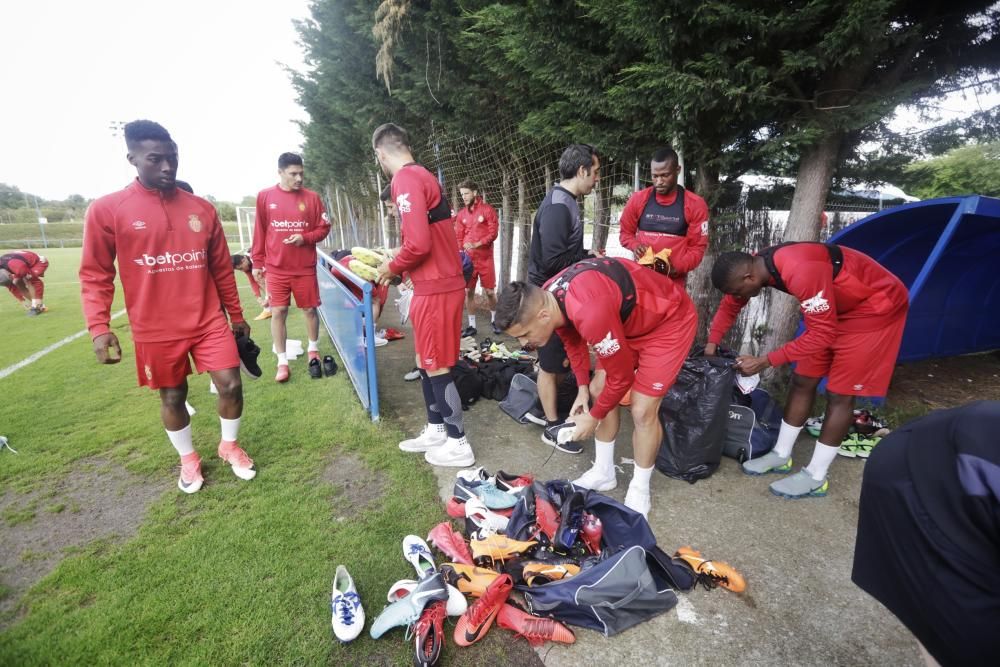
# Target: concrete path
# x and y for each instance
(801, 607)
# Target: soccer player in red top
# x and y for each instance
(666, 216)
(429, 255)
(21, 273)
(476, 227)
(854, 311)
(290, 221)
(641, 326)
(175, 270)
(244, 265)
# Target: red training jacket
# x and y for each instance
(864, 297)
(477, 224)
(430, 251)
(253, 282)
(173, 262)
(593, 305)
(21, 263)
(281, 213)
(686, 252)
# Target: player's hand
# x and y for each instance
(585, 426)
(241, 329)
(295, 239)
(468, 246)
(711, 349)
(385, 274)
(749, 365)
(258, 274)
(639, 251)
(107, 349)
(582, 402)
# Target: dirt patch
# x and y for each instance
(947, 383)
(99, 500)
(359, 485)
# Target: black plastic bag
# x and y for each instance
(695, 416)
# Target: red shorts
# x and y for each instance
(167, 364)
(281, 288)
(859, 363)
(483, 270)
(659, 355)
(437, 325)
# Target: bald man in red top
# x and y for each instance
(854, 311)
(429, 255)
(178, 281)
(666, 216)
(21, 273)
(641, 326)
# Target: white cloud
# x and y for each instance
(209, 71)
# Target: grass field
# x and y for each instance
(238, 573)
(58, 234)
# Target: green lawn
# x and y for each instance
(238, 573)
(70, 234)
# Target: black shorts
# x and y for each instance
(552, 356)
(903, 560)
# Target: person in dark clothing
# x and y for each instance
(928, 543)
(557, 243)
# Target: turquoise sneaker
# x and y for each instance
(770, 462)
(799, 485)
(407, 610)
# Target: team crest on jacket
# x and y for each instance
(817, 304)
(194, 222)
(481, 219)
(403, 202)
(302, 206)
(607, 346)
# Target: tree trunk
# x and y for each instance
(811, 189)
(699, 282)
(602, 215)
(524, 229)
(506, 230)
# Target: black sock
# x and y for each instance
(433, 413)
(449, 403)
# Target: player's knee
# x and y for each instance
(230, 387)
(644, 414)
(839, 400)
(803, 383)
(279, 311)
(173, 397)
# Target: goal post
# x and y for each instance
(245, 216)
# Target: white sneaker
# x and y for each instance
(597, 479)
(456, 605)
(379, 342)
(348, 614)
(638, 500)
(488, 523)
(455, 453)
(432, 436)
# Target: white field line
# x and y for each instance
(55, 346)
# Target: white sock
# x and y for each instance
(786, 439)
(472, 321)
(493, 315)
(823, 456)
(181, 440)
(313, 346)
(35, 303)
(640, 478)
(282, 359)
(604, 456)
(230, 429)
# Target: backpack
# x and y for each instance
(469, 382)
(635, 582)
(498, 374)
(836, 259)
(754, 422)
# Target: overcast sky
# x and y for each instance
(210, 71)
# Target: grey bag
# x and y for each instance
(521, 397)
